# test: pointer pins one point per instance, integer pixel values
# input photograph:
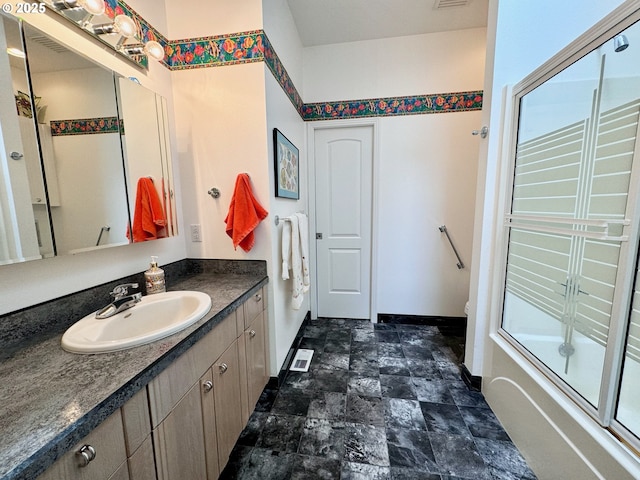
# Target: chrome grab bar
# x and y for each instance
(443, 229)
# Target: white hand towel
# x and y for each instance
(286, 249)
(303, 225)
(296, 264)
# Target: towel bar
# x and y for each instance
(277, 219)
(284, 219)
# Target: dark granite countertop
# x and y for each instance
(51, 399)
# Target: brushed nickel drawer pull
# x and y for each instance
(258, 297)
(86, 453)
(252, 333)
(207, 386)
(224, 367)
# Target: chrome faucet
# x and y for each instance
(122, 300)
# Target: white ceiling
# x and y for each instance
(323, 22)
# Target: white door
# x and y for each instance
(344, 166)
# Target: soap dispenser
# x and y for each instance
(154, 278)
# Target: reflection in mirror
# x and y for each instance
(147, 161)
(79, 105)
(25, 232)
(143, 160)
(167, 165)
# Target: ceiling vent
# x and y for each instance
(444, 4)
(48, 43)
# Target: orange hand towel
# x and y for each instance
(148, 217)
(245, 213)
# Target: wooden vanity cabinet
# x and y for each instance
(107, 462)
(253, 343)
(185, 423)
(194, 432)
(122, 444)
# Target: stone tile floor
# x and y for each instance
(380, 402)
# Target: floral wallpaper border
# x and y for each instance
(393, 106)
(215, 51)
(282, 77)
(254, 46)
(85, 126)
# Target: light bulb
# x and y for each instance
(94, 7)
(154, 50)
(126, 27)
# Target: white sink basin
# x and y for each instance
(154, 317)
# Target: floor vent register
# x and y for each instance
(301, 361)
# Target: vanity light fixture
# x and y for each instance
(92, 7)
(125, 26)
(122, 25)
(152, 48)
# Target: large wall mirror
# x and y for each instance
(85, 152)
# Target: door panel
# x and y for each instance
(344, 164)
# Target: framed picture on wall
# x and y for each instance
(287, 165)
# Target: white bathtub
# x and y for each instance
(542, 335)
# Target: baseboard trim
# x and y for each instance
(474, 382)
(292, 351)
(431, 320)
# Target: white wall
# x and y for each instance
(427, 179)
(195, 18)
(527, 34)
(223, 130)
(281, 114)
(413, 65)
(426, 163)
(26, 284)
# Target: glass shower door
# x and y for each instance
(569, 205)
(628, 410)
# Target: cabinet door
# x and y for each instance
(226, 391)
(107, 442)
(137, 434)
(253, 306)
(209, 423)
(257, 360)
(170, 385)
(142, 464)
(179, 440)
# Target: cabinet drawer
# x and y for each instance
(107, 440)
(253, 306)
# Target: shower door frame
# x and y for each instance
(604, 412)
